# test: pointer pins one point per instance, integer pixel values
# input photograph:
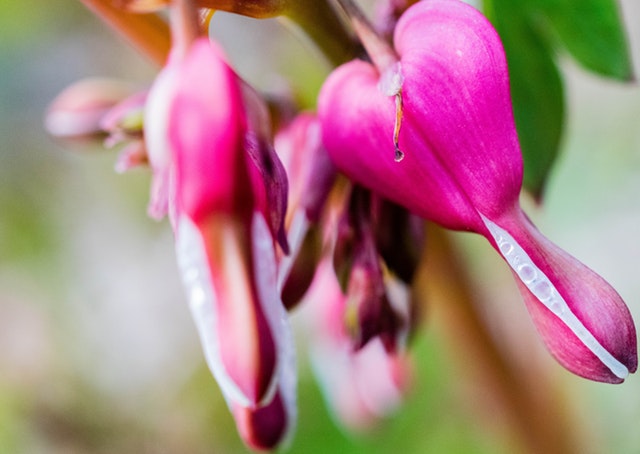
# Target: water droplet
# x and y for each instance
(527, 273)
(399, 155)
(506, 248)
(556, 306)
(542, 290)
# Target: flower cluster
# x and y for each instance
(326, 209)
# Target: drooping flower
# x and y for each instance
(462, 168)
(362, 386)
(196, 133)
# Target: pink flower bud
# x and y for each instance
(78, 111)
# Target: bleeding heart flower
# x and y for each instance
(196, 134)
(446, 104)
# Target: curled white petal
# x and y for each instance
(544, 290)
(192, 260)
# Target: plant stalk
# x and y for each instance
(147, 32)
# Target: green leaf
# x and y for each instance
(592, 32)
(536, 90)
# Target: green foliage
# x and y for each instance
(591, 30)
(22, 22)
(593, 34)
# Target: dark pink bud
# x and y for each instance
(311, 177)
(263, 428)
(268, 173)
(368, 312)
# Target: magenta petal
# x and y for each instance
(457, 132)
(206, 130)
(583, 321)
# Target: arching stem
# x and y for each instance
(147, 32)
(380, 51)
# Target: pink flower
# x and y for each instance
(463, 169)
(196, 133)
(360, 386)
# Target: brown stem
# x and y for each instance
(317, 18)
(532, 406)
(381, 53)
(322, 24)
(147, 32)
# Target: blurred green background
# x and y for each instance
(98, 353)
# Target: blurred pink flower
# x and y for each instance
(362, 386)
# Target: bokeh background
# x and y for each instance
(98, 353)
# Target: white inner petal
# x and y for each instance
(266, 276)
(265, 272)
(543, 289)
(192, 261)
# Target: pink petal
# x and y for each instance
(237, 332)
(583, 321)
(79, 109)
(206, 131)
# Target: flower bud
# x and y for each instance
(78, 111)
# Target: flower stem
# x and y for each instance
(317, 18)
(322, 24)
(532, 407)
(380, 51)
(147, 32)
(185, 27)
